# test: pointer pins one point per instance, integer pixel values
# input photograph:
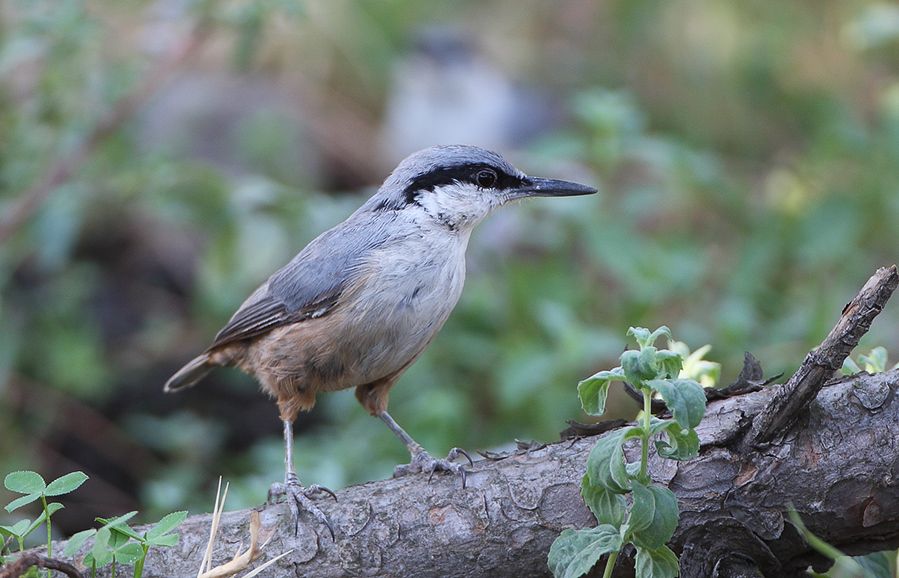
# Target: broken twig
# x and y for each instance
(820, 364)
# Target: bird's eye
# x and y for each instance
(485, 178)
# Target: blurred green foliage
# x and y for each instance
(747, 155)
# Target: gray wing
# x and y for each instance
(307, 287)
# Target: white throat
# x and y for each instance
(459, 206)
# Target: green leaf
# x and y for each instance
(19, 529)
(575, 552)
(605, 464)
(165, 540)
(129, 553)
(682, 444)
(608, 507)
(101, 551)
(657, 425)
(75, 543)
(52, 508)
(653, 515)
(670, 363)
(850, 367)
(640, 334)
(877, 564)
(639, 366)
(656, 563)
(168, 523)
(875, 361)
(19, 502)
(684, 397)
(644, 338)
(65, 484)
(24, 483)
(126, 531)
(113, 522)
(594, 390)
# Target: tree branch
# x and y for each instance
(22, 564)
(839, 471)
(821, 363)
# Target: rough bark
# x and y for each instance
(840, 470)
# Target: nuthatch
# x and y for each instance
(359, 304)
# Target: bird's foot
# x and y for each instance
(299, 498)
(423, 462)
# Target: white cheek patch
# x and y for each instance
(459, 204)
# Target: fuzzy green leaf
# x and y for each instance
(168, 523)
(670, 363)
(65, 484)
(74, 544)
(640, 334)
(24, 483)
(593, 391)
(850, 367)
(19, 529)
(682, 444)
(113, 522)
(52, 508)
(102, 550)
(653, 515)
(126, 531)
(656, 563)
(877, 564)
(19, 502)
(875, 361)
(608, 507)
(129, 553)
(165, 540)
(575, 552)
(640, 366)
(605, 464)
(684, 397)
(646, 338)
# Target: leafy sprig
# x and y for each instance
(115, 542)
(651, 519)
(34, 488)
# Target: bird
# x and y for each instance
(359, 304)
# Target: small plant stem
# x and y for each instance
(49, 526)
(610, 565)
(644, 441)
(139, 565)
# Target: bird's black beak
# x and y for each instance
(539, 187)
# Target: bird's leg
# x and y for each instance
(422, 460)
(297, 496)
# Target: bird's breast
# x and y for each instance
(407, 295)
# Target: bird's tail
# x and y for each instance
(190, 374)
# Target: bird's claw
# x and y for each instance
(423, 462)
(317, 489)
(299, 498)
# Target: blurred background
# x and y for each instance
(160, 158)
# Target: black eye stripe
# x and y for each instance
(468, 173)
